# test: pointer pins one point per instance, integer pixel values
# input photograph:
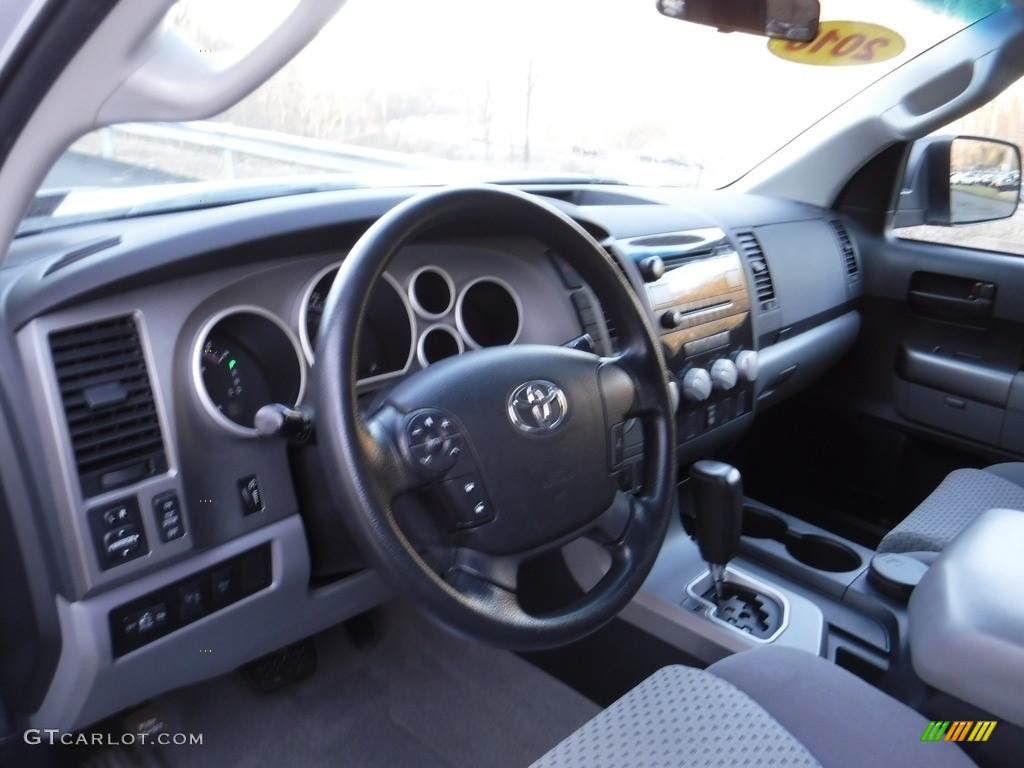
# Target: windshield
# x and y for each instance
(461, 90)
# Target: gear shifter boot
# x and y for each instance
(757, 615)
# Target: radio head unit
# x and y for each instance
(701, 307)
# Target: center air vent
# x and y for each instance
(111, 416)
(849, 255)
(763, 285)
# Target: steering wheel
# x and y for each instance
(469, 467)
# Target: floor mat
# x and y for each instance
(413, 696)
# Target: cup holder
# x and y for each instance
(763, 525)
(812, 549)
(821, 552)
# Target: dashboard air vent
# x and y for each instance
(849, 255)
(763, 285)
(108, 402)
(613, 332)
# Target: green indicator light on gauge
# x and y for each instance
(232, 364)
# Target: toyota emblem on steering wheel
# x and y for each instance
(537, 406)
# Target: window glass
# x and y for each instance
(1002, 118)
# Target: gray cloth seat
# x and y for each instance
(764, 707)
(959, 499)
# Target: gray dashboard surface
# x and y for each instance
(806, 267)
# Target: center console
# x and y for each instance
(761, 576)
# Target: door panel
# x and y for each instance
(942, 347)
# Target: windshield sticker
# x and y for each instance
(842, 44)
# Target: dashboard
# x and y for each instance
(148, 346)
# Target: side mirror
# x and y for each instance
(952, 180)
(786, 19)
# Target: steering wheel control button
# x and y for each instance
(466, 497)
(432, 440)
(537, 407)
(118, 533)
(251, 494)
(167, 510)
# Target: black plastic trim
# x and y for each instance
(808, 323)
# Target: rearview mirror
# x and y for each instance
(953, 180)
(785, 19)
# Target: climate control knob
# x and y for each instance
(724, 374)
(746, 364)
(697, 385)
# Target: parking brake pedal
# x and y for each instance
(283, 667)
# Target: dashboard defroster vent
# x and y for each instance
(108, 402)
(849, 254)
(763, 285)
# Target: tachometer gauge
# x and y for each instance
(385, 342)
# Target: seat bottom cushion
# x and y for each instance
(680, 716)
(841, 720)
(768, 706)
(959, 499)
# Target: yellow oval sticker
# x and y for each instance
(842, 44)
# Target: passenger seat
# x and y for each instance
(961, 497)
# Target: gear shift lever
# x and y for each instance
(718, 503)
